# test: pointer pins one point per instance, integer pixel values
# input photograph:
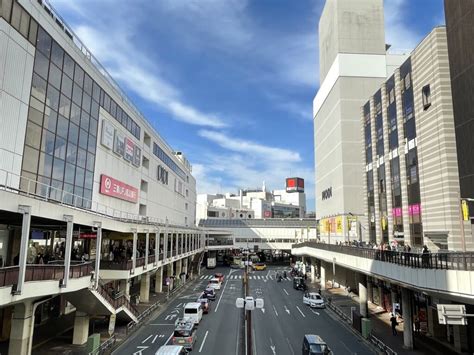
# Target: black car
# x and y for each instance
(299, 284)
(314, 345)
(209, 293)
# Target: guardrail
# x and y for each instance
(103, 347)
(381, 345)
(444, 261)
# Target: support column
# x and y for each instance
(170, 273)
(134, 250)
(67, 257)
(21, 335)
(147, 246)
(159, 280)
(145, 288)
(157, 246)
(171, 243)
(407, 299)
(98, 247)
(370, 291)
(165, 244)
(177, 243)
(81, 328)
(323, 276)
(363, 308)
(190, 268)
(127, 289)
(25, 234)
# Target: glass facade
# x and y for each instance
(161, 154)
(369, 173)
(409, 128)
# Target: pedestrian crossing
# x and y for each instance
(251, 277)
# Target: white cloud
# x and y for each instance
(249, 147)
(397, 33)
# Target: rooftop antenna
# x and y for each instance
(263, 187)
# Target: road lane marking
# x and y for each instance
(153, 341)
(272, 347)
(263, 310)
(144, 341)
(287, 310)
(139, 352)
(301, 312)
(286, 292)
(291, 348)
(275, 311)
(220, 298)
(202, 277)
(203, 340)
(167, 340)
(315, 312)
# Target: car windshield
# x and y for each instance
(317, 348)
(178, 333)
(190, 310)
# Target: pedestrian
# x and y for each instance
(394, 323)
(417, 325)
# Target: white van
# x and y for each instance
(171, 350)
(193, 310)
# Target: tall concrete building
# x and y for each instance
(353, 64)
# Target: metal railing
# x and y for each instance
(381, 345)
(43, 272)
(103, 347)
(117, 302)
(444, 261)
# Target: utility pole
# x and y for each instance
(248, 314)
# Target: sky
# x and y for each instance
(228, 82)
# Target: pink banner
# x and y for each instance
(397, 212)
(115, 188)
(416, 209)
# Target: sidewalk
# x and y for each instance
(381, 327)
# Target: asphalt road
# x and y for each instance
(278, 328)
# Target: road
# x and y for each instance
(278, 328)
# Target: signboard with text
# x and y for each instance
(294, 184)
(129, 147)
(115, 188)
(108, 131)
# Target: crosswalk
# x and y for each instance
(251, 277)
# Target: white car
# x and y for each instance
(214, 283)
(314, 300)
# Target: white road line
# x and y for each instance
(301, 312)
(291, 348)
(314, 312)
(220, 298)
(202, 277)
(144, 341)
(258, 277)
(153, 341)
(275, 311)
(167, 340)
(286, 292)
(203, 341)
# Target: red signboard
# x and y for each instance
(114, 188)
(294, 184)
(88, 235)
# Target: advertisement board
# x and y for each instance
(339, 225)
(119, 144)
(108, 131)
(137, 156)
(295, 184)
(115, 188)
(129, 147)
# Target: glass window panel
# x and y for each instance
(69, 173)
(86, 103)
(24, 23)
(88, 84)
(60, 148)
(95, 110)
(42, 188)
(73, 136)
(45, 165)
(66, 87)
(102, 98)
(85, 120)
(78, 192)
(50, 119)
(79, 76)
(47, 143)
(93, 127)
(75, 114)
(33, 135)
(56, 190)
(41, 65)
(113, 108)
(6, 9)
(83, 139)
(58, 169)
(80, 173)
(35, 116)
(57, 55)
(77, 94)
(55, 76)
(91, 144)
(52, 98)
(64, 106)
(33, 32)
(81, 158)
(87, 197)
(68, 193)
(63, 125)
(71, 155)
(89, 180)
(30, 160)
(68, 65)
(96, 92)
(38, 87)
(90, 162)
(43, 42)
(16, 16)
(107, 102)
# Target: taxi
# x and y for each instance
(259, 266)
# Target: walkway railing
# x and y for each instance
(444, 261)
(117, 302)
(43, 272)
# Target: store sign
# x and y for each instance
(397, 212)
(88, 235)
(137, 156)
(129, 147)
(115, 188)
(294, 184)
(414, 210)
(326, 194)
(108, 132)
(162, 175)
(119, 144)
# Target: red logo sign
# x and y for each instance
(114, 188)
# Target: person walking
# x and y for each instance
(417, 325)
(394, 323)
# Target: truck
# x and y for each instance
(211, 262)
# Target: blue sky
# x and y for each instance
(228, 82)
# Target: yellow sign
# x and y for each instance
(384, 222)
(465, 210)
(322, 226)
(339, 225)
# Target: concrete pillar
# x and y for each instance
(81, 328)
(435, 329)
(170, 273)
(145, 288)
(460, 335)
(177, 244)
(313, 273)
(25, 234)
(190, 267)
(393, 297)
(98, 253)
(159, 280)
(157, 246)
(67, 256)
(370, 291)
(147, 246)
(165, 244)
(363, 308)
(171, 244)
(407, 299)
(323, 275)
(22, 326)
(134, 250)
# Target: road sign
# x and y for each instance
(454, 314)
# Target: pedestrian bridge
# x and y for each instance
(445, 274)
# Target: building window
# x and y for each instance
(144, 186)
(186, 206)
(391, 96)
(187, 193)
(147, 139)
(146, 162)
(426, 95)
